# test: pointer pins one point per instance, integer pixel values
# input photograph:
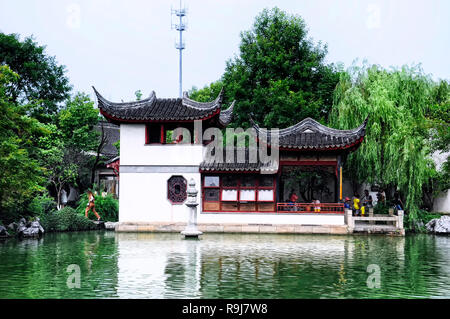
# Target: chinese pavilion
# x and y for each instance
(154, 167)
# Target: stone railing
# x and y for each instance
(371, 219)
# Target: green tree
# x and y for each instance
(60, 165)
(280, 75)
(81, 144)
(439, 124)
(41, 79)
(68, 151)
(207, 93)
(396, 152)
(21, 176)
(76, 122)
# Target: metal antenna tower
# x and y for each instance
(180, 26)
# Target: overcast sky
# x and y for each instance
(122, 46)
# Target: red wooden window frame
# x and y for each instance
(162, 134)
(238, 188)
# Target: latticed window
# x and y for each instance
(245, 193)
(177, 189)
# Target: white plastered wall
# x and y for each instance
(134, 151)
(143, 198)
(145, 170)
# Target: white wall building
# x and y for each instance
(156, 163)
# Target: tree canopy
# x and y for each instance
(21, 176)
(40, 80)
(396, 152)
(280, 75)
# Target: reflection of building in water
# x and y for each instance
(242, 266)
(239, 266)
(157, 266)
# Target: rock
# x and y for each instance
(439, 225)
(3, 232)
(13, 226)
(110, 226)
(37, 225)
(34, 230)
(21, 228)
(22, 225)
(31, 232)
(100, 224)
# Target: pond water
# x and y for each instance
(149, 265)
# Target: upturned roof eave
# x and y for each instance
(190, 110)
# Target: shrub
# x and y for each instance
(418, 225)
(66, 219)
(50, 221)
(107, 207)
(381, 208)
(40, 205)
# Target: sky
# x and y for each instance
(123, 46)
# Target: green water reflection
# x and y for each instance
(126, 265)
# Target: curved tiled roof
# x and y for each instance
(221, 165)
(163, 109)
(310, 134)
(226, 116)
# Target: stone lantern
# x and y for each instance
(191, 228)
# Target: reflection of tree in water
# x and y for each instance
(175, 271)
(40, 271)
(408, 267)
(262, 276)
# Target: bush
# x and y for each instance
(107, 207)
(381, 208)
(49, 221)
(418, 225)
(66, 219)
(41, 205)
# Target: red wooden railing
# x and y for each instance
(309, 208)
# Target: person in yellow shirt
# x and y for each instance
(356, 207)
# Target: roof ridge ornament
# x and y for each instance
(114, 105)
(226, 116)
(163, 109)
(203, 105)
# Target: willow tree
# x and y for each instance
(396, 152)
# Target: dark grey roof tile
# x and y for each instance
(166, 109)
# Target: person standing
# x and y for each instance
(380, 197)
(356, 207)
(398, 204)
(317, 206)
(347, 204)
(367, 199)
(63, 198)
(293, 199)
(91, 205)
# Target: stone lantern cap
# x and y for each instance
(192, 191)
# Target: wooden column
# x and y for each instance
(339, 167)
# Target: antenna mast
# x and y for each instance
(180, 27)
